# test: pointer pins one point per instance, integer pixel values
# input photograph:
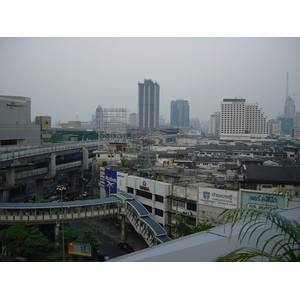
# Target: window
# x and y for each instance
(159, 198)
(180, 204)
(144, 194)
(149, 208)
(191, 206)
(130, 190)
(159, 212)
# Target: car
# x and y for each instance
(103, 257)
(125, 247)
(21, 259)
(29, 201)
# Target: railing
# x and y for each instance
(22, 153)
(38, 213)
(53, 215)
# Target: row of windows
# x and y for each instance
(146, 195)
(182, 204)
(157, 212)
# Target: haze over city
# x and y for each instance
(67, 78)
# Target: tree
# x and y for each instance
(14, 238)
(211, 178)
(183, 229)
(70, 234)
(283, 245)
(36, 242)
(87, 236)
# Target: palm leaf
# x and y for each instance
(286, 240)
(245, 254)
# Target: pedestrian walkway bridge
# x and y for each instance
(73, 211)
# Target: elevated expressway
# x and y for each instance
(122, 204)
(16, 168)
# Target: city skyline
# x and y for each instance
(67, 78)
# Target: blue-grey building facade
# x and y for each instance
(148, 105)
(180, 113)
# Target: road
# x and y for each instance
(109, 237)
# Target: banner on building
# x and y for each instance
(262, 200)
(218, 198)
(110, 182)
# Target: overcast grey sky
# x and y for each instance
(70, 77)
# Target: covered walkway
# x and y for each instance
(123, 204)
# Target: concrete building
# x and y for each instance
(180, 113)
(148, 104)
(242, 121)
(15, 122)
(213, 128)
(45, 124)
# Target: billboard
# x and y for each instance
(78, 248)
(110, 181)
(262, 200)
(218, 198)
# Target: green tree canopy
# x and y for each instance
(70, 234)
(36, 242)
(14, 238)
(87, 236)
(183, 229)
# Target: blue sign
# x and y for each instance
(110, 181)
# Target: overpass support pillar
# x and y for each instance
(51, 167)
(4, 196)
(56, 230)
(10, 178)
(123, 236)
(39, 190)
(72, 179)
(85, 159)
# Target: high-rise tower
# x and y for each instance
(180, 113)
(241, 120)
(148, 104)
(287, 122)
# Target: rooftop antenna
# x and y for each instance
(287, 85)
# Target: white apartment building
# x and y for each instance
(242, 121)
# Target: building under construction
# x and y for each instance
(112, 122)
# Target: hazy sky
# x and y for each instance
(70, 77)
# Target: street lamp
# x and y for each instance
(61, 188)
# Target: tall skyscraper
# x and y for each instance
(287, 122)
(148, 104)
(241, 120)
(180, 113)
(289, 108)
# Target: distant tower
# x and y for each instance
(148, 105)
(289, 106)
(99, 117)
(287, 122)
(180, 113)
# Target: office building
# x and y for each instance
(15, 122)
(214, 125)
(242, 121)
(195, 123)
(289, 108)
(148, 104)
(180, 113)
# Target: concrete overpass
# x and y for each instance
(19, 165)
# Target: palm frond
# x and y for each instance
(283, 245)
(245, 254)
